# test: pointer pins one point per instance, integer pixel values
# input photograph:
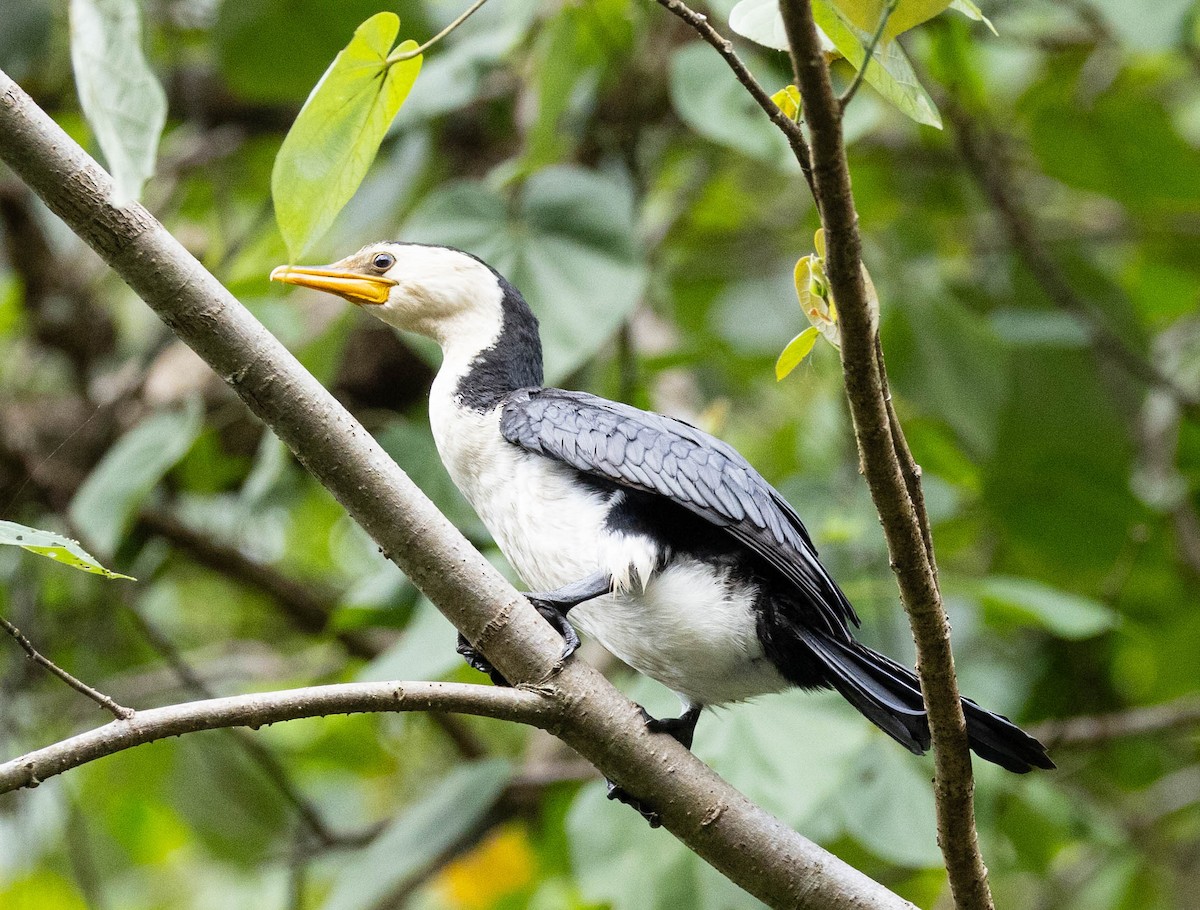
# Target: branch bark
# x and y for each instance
(752, 848)
(891, 473)
(255, 710)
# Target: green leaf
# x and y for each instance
(104, 506)
(795, 352)
(567, 243)
(971, 11)
(55, 546)
(418, 837)
(865, 14)
(1066, 615)
(888, 72)
(123, 102)
(330, 147)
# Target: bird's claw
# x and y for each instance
(680, 729)
(623, 796)
(561, 624)
(550, 613)
(476, 661)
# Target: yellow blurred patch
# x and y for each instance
(502, 864)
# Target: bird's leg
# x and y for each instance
(682, 729)
(554, 606)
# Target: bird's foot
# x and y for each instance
(624, 796)
(476, 661)
(554, 615)
(682, 730)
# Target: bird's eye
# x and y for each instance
(383, 261)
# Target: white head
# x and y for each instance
(436, 291)
(489, 336)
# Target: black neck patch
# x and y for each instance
(513, 362)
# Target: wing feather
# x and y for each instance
(656, 454)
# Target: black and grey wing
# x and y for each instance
(667, 457)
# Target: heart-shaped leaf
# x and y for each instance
(566, 242)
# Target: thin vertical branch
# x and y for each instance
(891, 474)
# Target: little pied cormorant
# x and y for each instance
(661, 541)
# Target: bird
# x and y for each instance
(650, 535)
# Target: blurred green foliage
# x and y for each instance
(609, 164)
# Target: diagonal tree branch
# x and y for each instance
(985, 153)
(752, 848)
(891, 474)
(789, 127)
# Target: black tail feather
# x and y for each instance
(889, 695)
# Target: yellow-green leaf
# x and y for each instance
(971, 11)
(795, 352)
(788, 101)
(54, 546)
(888, 71)
(331, 145)
(865, 14)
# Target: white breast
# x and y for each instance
(689, 625)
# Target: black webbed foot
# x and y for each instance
(682, 729)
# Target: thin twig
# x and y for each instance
(789, 127)
(868, 55)
(1180, 714)
(261, 708)
(118, 711)
(401, 56)
(891, 475)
